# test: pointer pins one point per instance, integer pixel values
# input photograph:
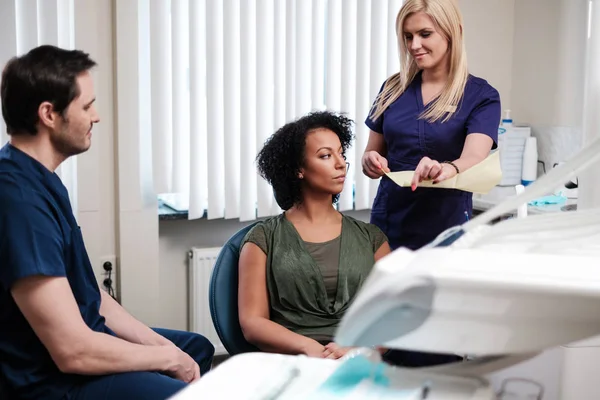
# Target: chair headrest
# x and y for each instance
(223, 296)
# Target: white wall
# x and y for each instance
(489, 26)
(136, 201)
(532, 51)
(535, 67)
(175, 241)
(549, 48)
(96, 167)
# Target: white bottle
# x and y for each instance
(507, 121)
(505, 125)
(530, 159)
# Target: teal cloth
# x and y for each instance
(552, 199)
(354, 371)
(297, 295)
(360, 378)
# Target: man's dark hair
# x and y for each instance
(46, 73)
(282, 156)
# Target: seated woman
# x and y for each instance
(300, 271)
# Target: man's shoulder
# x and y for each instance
(15, 185)
(16, 176)
(21, 197)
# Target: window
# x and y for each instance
(224, 75)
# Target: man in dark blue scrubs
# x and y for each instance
(60, 336)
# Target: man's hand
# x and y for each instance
(183, 367)
(125, 326)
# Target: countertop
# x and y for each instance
(500, 193)
(166, 213)
(480, 203)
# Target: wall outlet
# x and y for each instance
(109, 270)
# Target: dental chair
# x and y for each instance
(497, 294)
(223, 296)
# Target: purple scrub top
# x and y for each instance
(413, 219)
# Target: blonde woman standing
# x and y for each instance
(432, 117)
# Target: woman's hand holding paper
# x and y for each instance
(374, 165)
(431, 170)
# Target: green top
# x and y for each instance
(327, 256)
(299, 273)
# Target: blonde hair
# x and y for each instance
(448, 22)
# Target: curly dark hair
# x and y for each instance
(282, 157)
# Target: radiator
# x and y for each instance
(201, 263)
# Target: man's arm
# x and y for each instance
(125, 326)
(50, 308)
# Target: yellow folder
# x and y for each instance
(480, 178)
